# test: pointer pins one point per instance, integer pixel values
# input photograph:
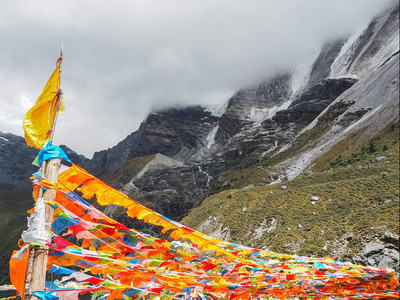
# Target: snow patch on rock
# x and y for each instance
(301, 74)
(258, 115)
(347, 51)
(217, 110)
(211, 138)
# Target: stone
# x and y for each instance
(283, 187)
(358, 260)
(391, 238)
(380, 159)
(314, 198)
(371, 261)
(387, 263)
(372, 248)
(248, 186)
(393, 254)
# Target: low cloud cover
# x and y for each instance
(123, 58)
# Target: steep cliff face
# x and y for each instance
(105, 160)
(321, 68)
(371, 48)
(176, 132)
(313, 101)
(15, 162)
(370, 104)
(253, 105)
(269, 114)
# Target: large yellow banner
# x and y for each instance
(39, 119)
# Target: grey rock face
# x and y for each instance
(322, 66)
(373, 41)
(171, 191)
(312, 102)
(105, 160)
(387, 263)
(15, 162)
(267, 94)
(176, 132)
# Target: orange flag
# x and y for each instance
(18, 272)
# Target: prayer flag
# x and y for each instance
(39, 119)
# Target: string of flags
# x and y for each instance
(89, 252)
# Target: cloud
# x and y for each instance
(123, 58)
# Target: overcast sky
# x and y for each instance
(123, 58)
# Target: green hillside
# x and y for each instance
(13, 216)
(358, 201)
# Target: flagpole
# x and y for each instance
(59, 93)
(37, 263)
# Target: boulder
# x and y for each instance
(372, 248)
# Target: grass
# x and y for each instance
(348, 151)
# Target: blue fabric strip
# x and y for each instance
(45, 295)
(50, 151)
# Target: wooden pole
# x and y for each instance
(39, 253)
(37, 263)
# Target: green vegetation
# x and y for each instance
(358, 202)
(350, 151)
(13, 214)
(238, 179)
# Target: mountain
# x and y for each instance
(304, 162)
(177, 132)
(16, 162)
(318, 123)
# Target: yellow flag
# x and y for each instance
(39, 119)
